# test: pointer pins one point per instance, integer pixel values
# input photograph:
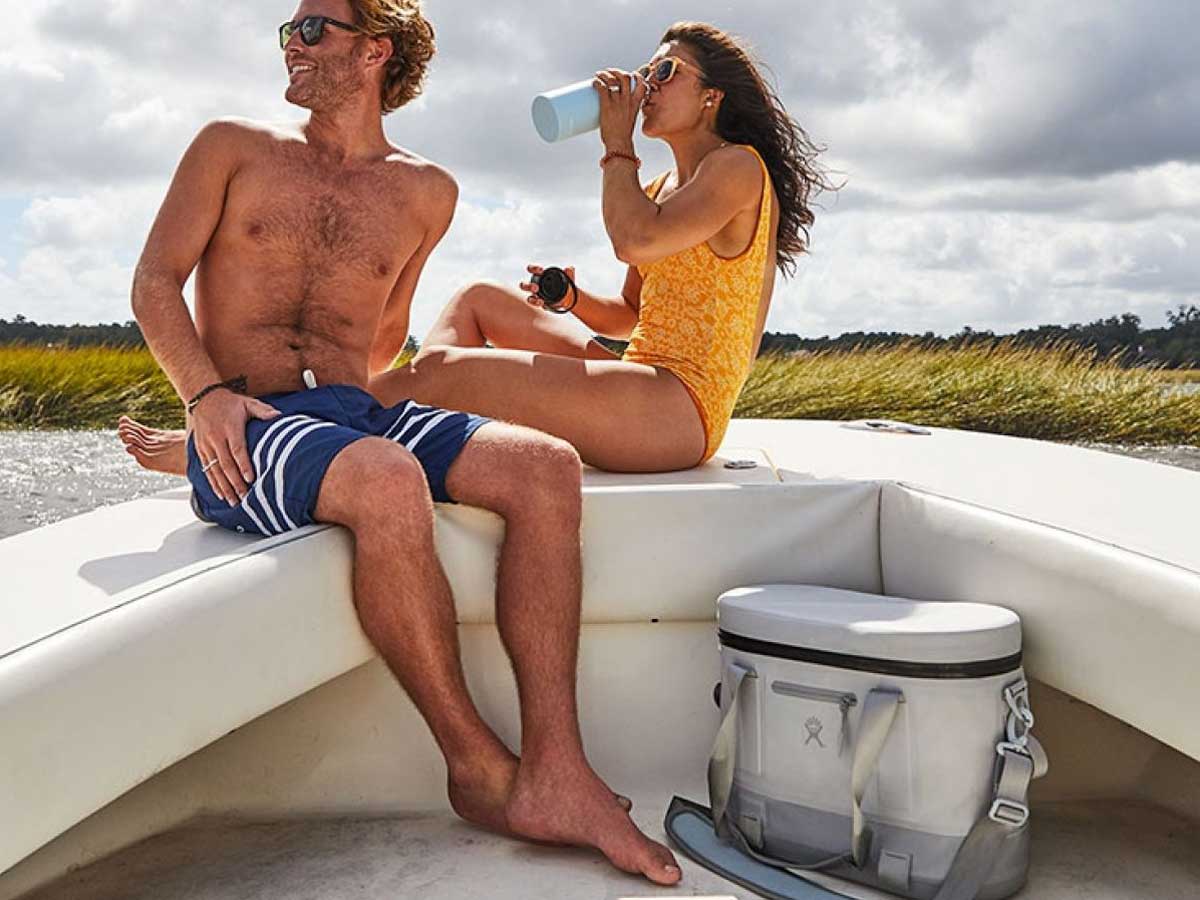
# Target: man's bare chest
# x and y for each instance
(319, 224)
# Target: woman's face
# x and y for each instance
(677, 105)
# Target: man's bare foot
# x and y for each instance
(479, 793)
(571, 805)
(154, 448)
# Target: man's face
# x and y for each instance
(323, 76)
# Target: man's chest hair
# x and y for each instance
(369, 220)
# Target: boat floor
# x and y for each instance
(1111, 850)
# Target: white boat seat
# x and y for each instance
(133, 636)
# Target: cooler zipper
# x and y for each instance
(843, 699)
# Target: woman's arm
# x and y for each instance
(615, 318)
(728, 181)
(610, 317)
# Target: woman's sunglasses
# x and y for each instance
(663, 70)
(311, 28)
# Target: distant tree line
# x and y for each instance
(1120, 337)
(22, 331)
(1177, 345)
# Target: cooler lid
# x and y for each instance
(853, 624)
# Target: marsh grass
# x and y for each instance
(1056, 393)
(82, 388)
(1180, 376)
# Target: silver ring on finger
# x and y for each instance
(614, 89)
(209, 465)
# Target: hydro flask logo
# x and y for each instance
(813, 726)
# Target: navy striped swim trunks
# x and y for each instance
(292, 452)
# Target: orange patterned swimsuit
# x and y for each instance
(698, 317)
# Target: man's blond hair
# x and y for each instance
(413, 46)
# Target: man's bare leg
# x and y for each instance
(533, 481)
(378, 490)
(407, 611)
(478, 794)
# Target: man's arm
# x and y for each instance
(185, 224)
(392, 332)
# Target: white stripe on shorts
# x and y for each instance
(399, 423)
(248, 510)
(279, 467)
(411, 424)
(270, 434)
(412, 445)
(276, 434)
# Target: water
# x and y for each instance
(50, 475)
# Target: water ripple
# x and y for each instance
(50, 475)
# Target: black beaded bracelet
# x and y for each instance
(237, 385)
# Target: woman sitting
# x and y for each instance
(702, 243)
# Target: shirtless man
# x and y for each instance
(307, 241)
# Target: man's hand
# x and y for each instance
(219, 431)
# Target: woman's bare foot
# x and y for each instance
(480, 792)
(571, 805)
(154, 448)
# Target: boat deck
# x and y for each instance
(1094, 850)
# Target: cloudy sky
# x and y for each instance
(1007, 163)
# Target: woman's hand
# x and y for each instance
(531, 289)
(619, 107)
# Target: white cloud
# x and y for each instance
(1009, 163)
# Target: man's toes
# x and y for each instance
(661, 866)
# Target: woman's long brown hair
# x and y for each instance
(751, 113)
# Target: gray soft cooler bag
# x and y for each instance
(869, 736)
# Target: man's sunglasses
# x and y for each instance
(663, 70)
(311, 28)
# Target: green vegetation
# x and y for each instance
(1119, 338)
(22, 331)
(1058, 393)
(1181, 376)
(85, 388)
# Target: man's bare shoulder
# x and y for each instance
(237, 128)
(231, 136)
(435, 183)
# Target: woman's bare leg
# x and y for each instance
(620, 416)
(486, 313)
(546, 374)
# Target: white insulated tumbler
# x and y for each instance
(568, 111)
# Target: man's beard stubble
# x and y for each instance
(336, 81)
